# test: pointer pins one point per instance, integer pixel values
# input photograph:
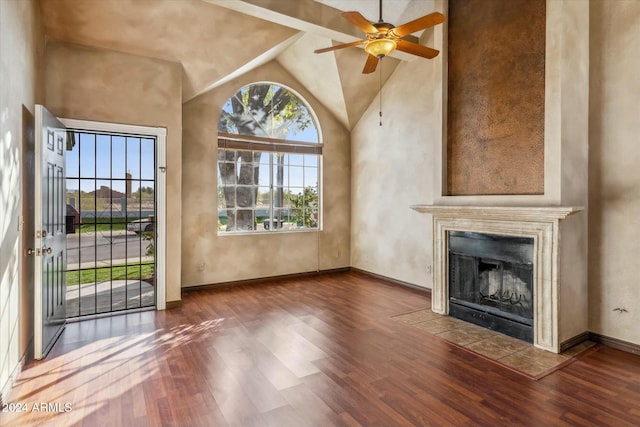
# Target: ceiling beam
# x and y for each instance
(305, 15)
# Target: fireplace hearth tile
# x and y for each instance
(440, 324)
(490, 349)
(519, 356)
(510, 344)
(525, 364)
(542, 357)
(417, 316)
(467, 334)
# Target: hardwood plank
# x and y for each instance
(306, 351)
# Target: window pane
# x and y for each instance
(310, 218)
(228, 194)
(86, 202)
(264, 158)
(226, 167)
(73, 158)
(245, 220)
(119, 188)
(118, 155)
(263, 174)
(73, 192)
(222, 219)
(245, 168)
(295, 217)
(103, 156)
(221, 197)
(310, 177)
(264, 198)
(311, 160)
(133, 157)
(245, 196)
(296, 176)
(296, 159)
(226, 156)
(148, 159)
(87, 155)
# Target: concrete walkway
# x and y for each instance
(95, 298)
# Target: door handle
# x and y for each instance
(47, 251)
(31, 251)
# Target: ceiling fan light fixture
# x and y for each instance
(380, 47)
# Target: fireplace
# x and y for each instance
(531, 252)
(491, 281)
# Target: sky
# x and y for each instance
(108, 157)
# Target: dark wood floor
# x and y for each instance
(317, 351)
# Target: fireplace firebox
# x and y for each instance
(491, 281)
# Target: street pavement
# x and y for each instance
(101, 249)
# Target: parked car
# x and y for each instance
(141, 225)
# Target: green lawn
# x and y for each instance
(116, 272)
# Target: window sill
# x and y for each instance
(265, 232)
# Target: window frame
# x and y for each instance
(271, 146)
(235, 143)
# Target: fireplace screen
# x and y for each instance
(491, 281)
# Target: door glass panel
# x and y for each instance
(111, 257)
(103, 157)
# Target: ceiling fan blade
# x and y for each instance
(360, 21)
(340, 46)
(371, 64)
(416, 49)
(426, 21)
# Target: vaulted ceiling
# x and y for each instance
(217, 40)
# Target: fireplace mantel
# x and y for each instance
(543, 224)
(514, 213)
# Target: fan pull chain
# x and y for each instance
(380, 92)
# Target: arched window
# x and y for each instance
(269, 157)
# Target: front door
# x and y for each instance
(50, 238)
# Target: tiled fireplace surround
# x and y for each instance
(557, 220)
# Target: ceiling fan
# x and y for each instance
(383, 38)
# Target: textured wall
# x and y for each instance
(391, 170)
(496, 88)
(614, 194)
(21, 42)
(102, 85)
(184, 31)
(209, 258)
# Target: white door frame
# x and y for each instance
(161, 189)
